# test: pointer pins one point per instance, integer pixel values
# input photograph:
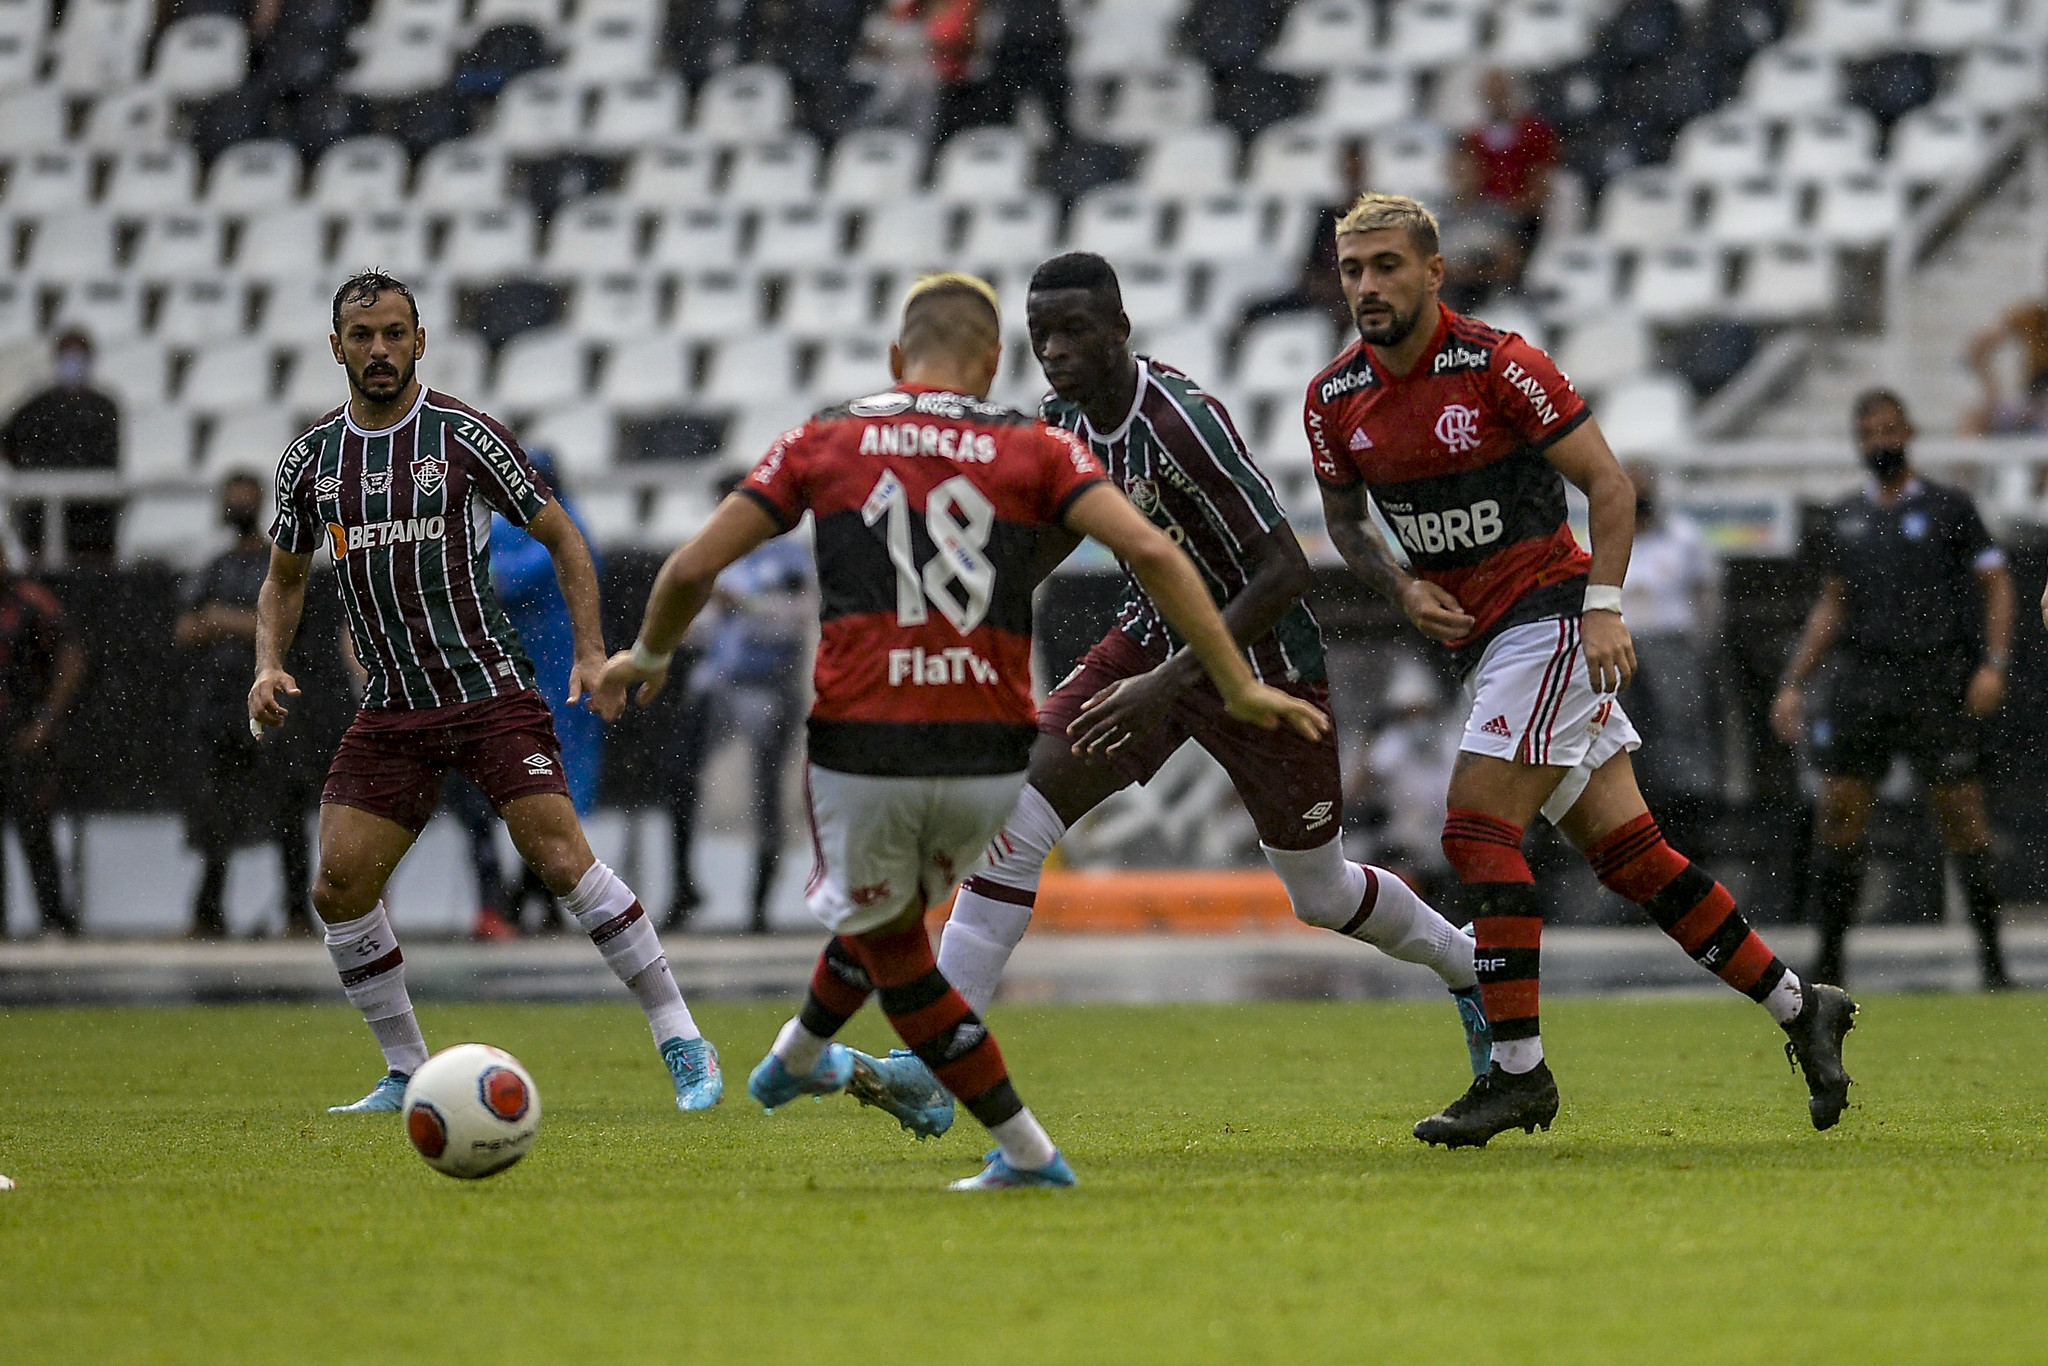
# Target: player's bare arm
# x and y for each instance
(1987, 685)
(280, 605)
(1055, 543)
(1170, 578)
(1816, 639)
(1584, 458)
(681, 590)
(576, 572)
(1432, 609)
(1131, 707)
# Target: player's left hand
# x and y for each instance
(1986, 691)
(619, 679)
(1267, 707)
(1121, 712)
(584, 676)
(1610, 651)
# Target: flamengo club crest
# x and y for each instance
(1458, 428)
(428, 474)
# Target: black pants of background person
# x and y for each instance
(28, 791)
(461, 799)
(1020, 69)
(765, 719)
(1915, 708)
(241, 796)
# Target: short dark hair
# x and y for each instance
(364, 288)
(1080, 270)
(1870, 400)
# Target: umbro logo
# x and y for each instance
(1319, 814)
(538, 763)
(1360, 441)
(1498, 726)
(327, 486)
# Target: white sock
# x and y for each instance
(987, 925)
(655, 988)
(798, 1048)
(1329, 891)
(1024, 1142)
(1518, 1055)
(372, 969)
(1786, 999)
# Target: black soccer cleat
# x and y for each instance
(1497, 1102)
(1814, 1046)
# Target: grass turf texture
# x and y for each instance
(1249, 1193)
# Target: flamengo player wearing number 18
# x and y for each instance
(1464, 437)
(928, 503)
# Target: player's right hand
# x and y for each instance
(1266, 707)
(1788, 714)
(621, 679)
(1435, 612)
(265, 707)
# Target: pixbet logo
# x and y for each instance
(1458, 428)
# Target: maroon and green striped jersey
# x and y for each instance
(1178, 458)
(406, 514)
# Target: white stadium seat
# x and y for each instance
(1645, 208)
(1786, 280)
(1855, 28)
(49, 180)
(1574, 279)
(158, 178)
(718, 303)
(906, 233)
(1365, 99)
(539, 112)
(581, 436)
(1111, 40)
(1433, 32)
(874, 166)
(228, 374)
(849, 367)
(774, 173)
(200, 56)
(1320, 36)
(745, 370)
(1221, 226)
(466, 174)
(1649, 415)
(175, 245)
(1298, 161)
(743, 104)
(616, 304)
(250, 438)
(32, 119)
(540, 369)
(611, 45)
(393, 240)
(1413, 160)
(827, 302)
(1012, 233)
(1952, 25)
(125, 120)
(172, 529)
(21, 61)
(313, 381)
(598, 234)
(797, 235)
(443, 16)
(454, 362)
(1790, 79)
(25, 18)
(668, 174)
(1728, 146)
(2001, 76)
(703, 238)
(134, 371)
(1192, 161)
(1757, 209)
(1116, 221)
(1193, 350)
(1604, 348)
(1819, 146)
(1155, 294)
(99, 46)
(982, 165)
(106, 308)
(486, 243)
(633, 113)
(647, 372)
(1148, 103)
(1279, 354)
(1530, 35)
(400, 61)
(1937, 143)
(299, 310)
(200, 312)
(17, 310)
(251, 176)
(78, 245)
(1677, 281)
(360, 173)
(546, 15)
(1860, 208)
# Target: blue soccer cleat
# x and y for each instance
(774, 1085)
(901, 1085)
(1478, 1033)
(999, 1175)
(700, 1084)
(385, 1097)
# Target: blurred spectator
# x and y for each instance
(1672, 601)
(1229, 37)
(1515, 149)
(240, 792)
(1409, 768)
(957, 36)
(2024, 328)
(895, 63)
(1480, 238)
(68, 426)
(814, 41)
(42, 668)
(747, 687)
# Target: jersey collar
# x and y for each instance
(1875, 495)
(348, 414)
(1123, 428)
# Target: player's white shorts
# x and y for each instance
(883, 845)
(1533, 703)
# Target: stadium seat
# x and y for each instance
(547, 15)
(1531, 35)
(252, 176)
(774, 173)
(743, 104)
(313, 382)
(677, 515)
(32, 120)
(983, 165)
(1431, 33)
(443, 16)
(1818, 146)
(175, 245)
(1575, 278)
(668, 174)
(828, 302)
(1146, 104)
(719, 303)
(106, 308)
(299, 311)
(1860, 208)
(1413, 160)
(152, 180)
(1790, 79)
(1301, 162)
(874, 167)
(454, 363)
(756, 425)
(401, 60)
(1727, 146)
(1365, 99)
(251, 438)
(200, 312)
(647, 372)
(1677, 281)
(460, 175)
(540, 369)
(705, 238)
(633, 113)
(200, 56)
(1193, 349)
(486, 243)
(601, 233)
(125, 120)
(21, 60)
(850, 366)
(1221, 226)
(169, 528)
(1604, 348)
(582, 437)
(1322, 36)
(1649, 415)
(745, 370)
(99, 46)
(134, 371)
(1855, 28)
(17, 310)
(1782, 280)
(1952, 25)
(611, 45)
(229, 374)
(1279, 355)
(78, 245)
(1645, 208)
(393, 240)
(2002, 76)
(29, 18)
(539, 112)
(1156, 294)
(1116, 221)
(797, 235)
(906, 234)
(611, 517)
(1114, 39)
(1937, 143)
(1755, 209)
(47, 181)
(1001, 235)
(615, 304)
(358, 173)
(1191, 161)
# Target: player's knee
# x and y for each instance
(559, 863)
(339, 894)
(1483, 848)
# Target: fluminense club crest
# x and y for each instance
(429, 473)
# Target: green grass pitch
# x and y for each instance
(1249, 1194)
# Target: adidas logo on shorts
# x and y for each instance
(1498, 726)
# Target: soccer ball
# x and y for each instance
(471, 1110)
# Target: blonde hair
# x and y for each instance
(950, 312)
(1378, 212)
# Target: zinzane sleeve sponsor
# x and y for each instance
(296, 529)
(777, 483)
(1331, 468)
(1071, 470)
(1531, 395)
(508, 481)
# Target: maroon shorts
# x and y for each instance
(392, 761)
(1292, 787)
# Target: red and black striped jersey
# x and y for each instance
(927, 506)
(406, 514)
(1178, 458)
(1453, 455)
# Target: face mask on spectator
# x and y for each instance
(242, 521)
(1886, 462)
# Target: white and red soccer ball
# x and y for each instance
(471, 1110)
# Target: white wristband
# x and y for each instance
(1602, 597)
(647, 661)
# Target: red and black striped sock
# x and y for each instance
(1499, 893)
(840, 986)
(936, 1023)
(1691, 907)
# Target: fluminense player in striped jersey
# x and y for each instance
(399, 485)
(1139, 694)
